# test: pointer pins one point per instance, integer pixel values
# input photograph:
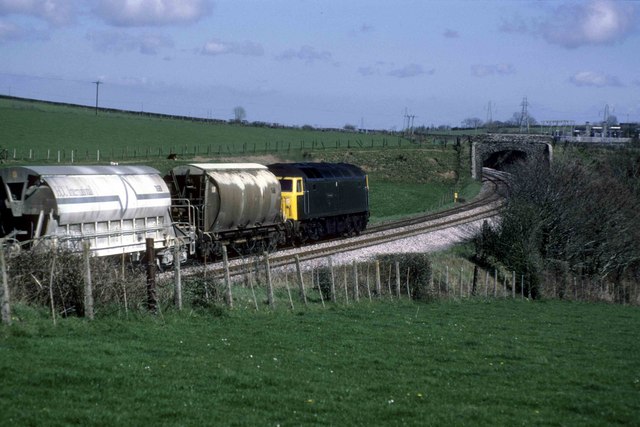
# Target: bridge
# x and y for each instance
(497, 150)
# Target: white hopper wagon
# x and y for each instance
(115, 208)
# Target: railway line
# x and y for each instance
(486, 205)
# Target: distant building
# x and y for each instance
(602, 133)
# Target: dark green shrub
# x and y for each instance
(32, 273)
(418, 268)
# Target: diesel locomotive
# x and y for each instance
(247, 207)
(321, 200)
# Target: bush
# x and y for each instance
(418, 267)
(582, 216)
(32, 273)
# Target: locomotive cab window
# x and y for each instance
(286, 185)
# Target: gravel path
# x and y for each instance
(423, 243)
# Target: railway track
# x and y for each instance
(486, 205)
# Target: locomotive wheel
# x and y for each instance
(273, 245)
(358, 226)
(261, 246)
(349, 230)
(315, 231)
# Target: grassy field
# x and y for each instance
(386, 363)
(470, 362)
(40, 127)
(405, 178)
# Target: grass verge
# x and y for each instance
(470, 363)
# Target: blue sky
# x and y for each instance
(328, 63)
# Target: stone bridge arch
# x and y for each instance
(496, 150)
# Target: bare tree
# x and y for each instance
(516, 119)
(239, 114)
(583, 217)
(472, 122)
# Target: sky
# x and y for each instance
(329, 63)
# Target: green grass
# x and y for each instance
(404, 180)
(471, 363)
(392, 200)
(46, 129)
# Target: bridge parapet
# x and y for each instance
(486, 147)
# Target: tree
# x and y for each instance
(583, 218)
(472, 122)
(239, 114)
(612, 120)
(516, 119)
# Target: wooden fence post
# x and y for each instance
(398, 279)
(355, 284)
(407, 283)
(248, 278)
(486, 283)
(152, 302)
(446, 280)
(228, 297)
(333, 281)
(286, 284)
(318, 284)
(513, 284)
(504, 286)
(303, 294)
(177, 290)
(270, 299)
(88, 288)
(378, 284)
(367, 282)
(4, 298)
(346, 292)
(51, 302)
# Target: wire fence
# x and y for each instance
(72, 284)
(187, 151)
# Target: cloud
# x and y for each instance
(375, 69)
(307, 54)
(597, 22)
(390, 69)
(12, 32)
(118, 42)
(514, 25)
(54, 12)
(369, 70)
(366, 28)
(450, 34)
(410, 70)
(134, 13)
(479, 70)
(595, 79)
(218, 47)
(362, 29)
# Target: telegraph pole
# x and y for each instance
(97, 83)
(524, 116)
